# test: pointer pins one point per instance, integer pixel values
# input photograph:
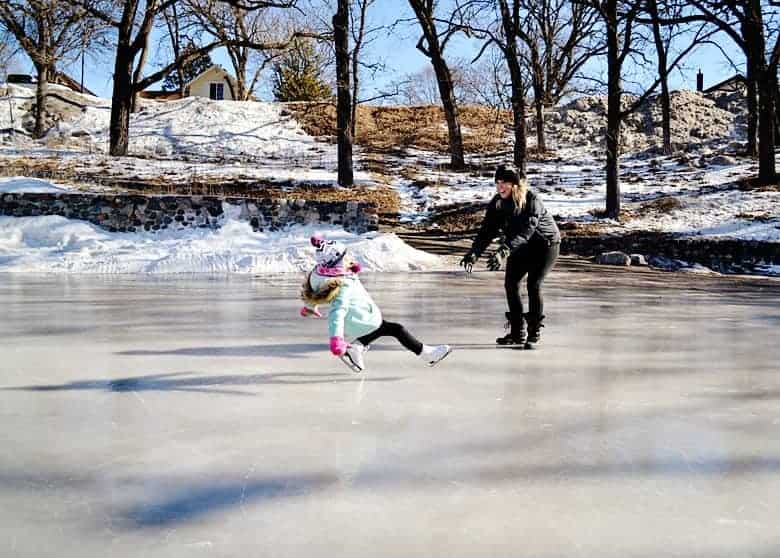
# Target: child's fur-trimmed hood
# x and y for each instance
(325, 295)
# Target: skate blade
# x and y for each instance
(441, 359)
(350, 363)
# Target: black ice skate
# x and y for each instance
(516, 338)
(535, 324)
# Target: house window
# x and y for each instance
(217, 91)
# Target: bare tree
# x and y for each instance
(502, 28)
(238, 28)
(559, 39)
(751, 24)
(48, 32)
(432, 44)
(664, 37)
(178, 39)
(362, 35)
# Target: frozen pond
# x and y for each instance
(196, 415)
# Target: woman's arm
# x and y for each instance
(487, 231)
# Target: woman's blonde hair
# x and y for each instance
(519, 192)
(508, 173)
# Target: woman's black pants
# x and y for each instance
(393, 330)
(534, 259)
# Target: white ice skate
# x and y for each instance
(353, 357)
(433, 354)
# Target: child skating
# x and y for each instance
(353, 315)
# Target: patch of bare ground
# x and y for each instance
(625, 214)
(664, 204)
(753, 185)
(385, 129)
(572, 229)
(458, 217)
(755, 216)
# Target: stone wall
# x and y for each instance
(130, 213)
(726, 256)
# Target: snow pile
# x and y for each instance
(202, 128)
(21, 184)
(695, 119)
(56, 244)
(15, 116)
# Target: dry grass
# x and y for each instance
(386, 129)
(760, 217)
(664, 204)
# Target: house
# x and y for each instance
(730, 85)
(212, 83)
(59, 78)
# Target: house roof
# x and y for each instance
(66, 80)
(217, 67)
(737, 78)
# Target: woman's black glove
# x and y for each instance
(468, 261)
(497, 259)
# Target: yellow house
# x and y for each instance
(213, 83)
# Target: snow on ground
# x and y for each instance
(572, 188)
(56, 244)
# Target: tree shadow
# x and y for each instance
(189, 382)
(188, 503)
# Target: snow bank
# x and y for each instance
(59, 245)
(22, 184)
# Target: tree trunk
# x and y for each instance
(541, 141)
(355, 89)
(518, 113)
(767, 171)
(752, 106)
(137, 74)
(666, 115)
(613, 113)
(516, 79)
(752, 55)
(756, 44)
(424, 13)
(663, 74)
(41, 90)
(343, 97)
(121, 102)
(241, 94)
(450, 106)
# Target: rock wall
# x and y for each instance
(725, 256)
(130, 213)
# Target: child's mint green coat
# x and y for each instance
(352, 313)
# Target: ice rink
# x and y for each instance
(182, 416)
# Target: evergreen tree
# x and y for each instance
(188, 71)
(298, 74)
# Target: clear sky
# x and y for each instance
(401, 57)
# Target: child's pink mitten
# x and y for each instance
(338, 346)
(306, 312)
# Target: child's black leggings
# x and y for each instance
(393, 330)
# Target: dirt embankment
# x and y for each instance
(388, 128)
